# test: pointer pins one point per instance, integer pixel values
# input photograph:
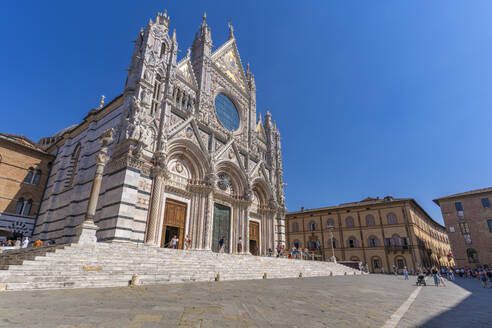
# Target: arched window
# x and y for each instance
(27, 207)
(376, 263)
(28, 178)
(36, 177)
(333, 243)
(373, 241)
(330, 223)
(20, 206)
(312, 226)
(295, 227)
(349, 222)
(352, 242)
(156, 95)
(74, 163)
(369, 220)
(472, 255)
(400, 262)
(163, 49)
(391, 218)
(395, 240)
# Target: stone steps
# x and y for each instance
(108, 265)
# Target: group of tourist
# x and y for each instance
(23, 243)
(484, 274)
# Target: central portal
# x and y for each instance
(221, 227)
(174, 222)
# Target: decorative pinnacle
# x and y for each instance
(231, 30)
(174, 34)
(247, 67)
(204, 19)
(188, 52)
(101, 103)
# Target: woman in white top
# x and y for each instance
(25, 242)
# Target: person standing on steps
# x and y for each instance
(25, 242)
(240, 245)
(174, 242)
(221, 244)
(187, 242)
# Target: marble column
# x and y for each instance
(86, 232)
(159, 174)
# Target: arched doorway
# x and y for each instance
(221, 228)
(174, 222)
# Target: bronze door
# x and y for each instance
(174, 222)
(254, 237)
(221, 227)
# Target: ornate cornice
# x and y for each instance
(128, 160)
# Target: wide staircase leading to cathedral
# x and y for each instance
(113, 264)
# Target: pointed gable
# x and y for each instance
(185, 72)
(227, 59)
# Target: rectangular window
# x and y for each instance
(458, 206)
(467, 238)
(451, 229)
(464, 227)
(485, 203)
(490, 225)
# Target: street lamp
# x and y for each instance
(330, 234)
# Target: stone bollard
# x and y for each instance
(300, 274)
(331, 273)
(264, 275)
(355, 273)
(135, 280)
(345, 273)
(217, 277)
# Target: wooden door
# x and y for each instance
(221, 227)
(174, 216)
(254, 235)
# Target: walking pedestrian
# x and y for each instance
(405, 273)
(279, 249)
(482, 276)
(434, 275)
(489, 275)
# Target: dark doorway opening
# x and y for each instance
(170, 233)
(253, 248)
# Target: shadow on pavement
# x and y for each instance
(462, 303)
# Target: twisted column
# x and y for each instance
(159, 174)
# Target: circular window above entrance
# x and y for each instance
(226, 112)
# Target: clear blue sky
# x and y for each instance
(372, 98)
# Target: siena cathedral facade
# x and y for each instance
(187, 157)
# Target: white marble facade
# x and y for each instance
(170, 143)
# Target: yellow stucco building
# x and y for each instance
(380, 232)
